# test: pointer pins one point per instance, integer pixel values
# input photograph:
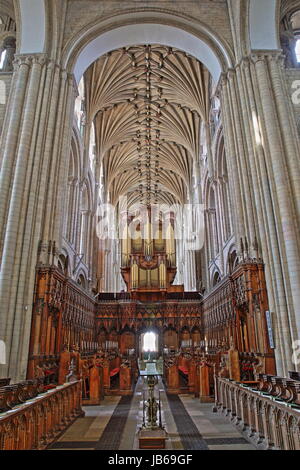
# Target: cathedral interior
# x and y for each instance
(149, 218)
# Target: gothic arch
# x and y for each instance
(63, 262)
(76, 146)
(85, 218)
(82, 280)
(232, 259)
(220, 157)
(288, 7)
(290, 31)
(216, 278)
(221, 171)
(72, 197)
(212, 218)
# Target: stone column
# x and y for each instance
(84, 234)
(242, 162)
(32, 151)
(231, 158)
(189, 270)
(262, 149)
(10, 137)
(179, 262)
(286, 207)
(268, 241)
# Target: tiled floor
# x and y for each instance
(190, 425)
(216, 431)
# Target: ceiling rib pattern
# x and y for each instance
(147, 104)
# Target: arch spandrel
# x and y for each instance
(195, 37)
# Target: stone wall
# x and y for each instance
(213, 13)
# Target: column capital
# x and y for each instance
(223, 81)
(245, 63)
(228, 75)
(85, 212)
(263, 56)
(231, 74)
(29, 59)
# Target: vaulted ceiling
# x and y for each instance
(147, 104)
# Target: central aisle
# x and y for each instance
(114, 425)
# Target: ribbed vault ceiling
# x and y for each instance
(147, 104)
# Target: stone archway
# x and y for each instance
(32, 16)
(32, 20)
(153, 33)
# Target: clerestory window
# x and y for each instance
(2, 58)
(298, 50)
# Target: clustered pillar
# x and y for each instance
(261, 146)
(34, 156)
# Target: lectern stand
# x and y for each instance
(152, 435)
